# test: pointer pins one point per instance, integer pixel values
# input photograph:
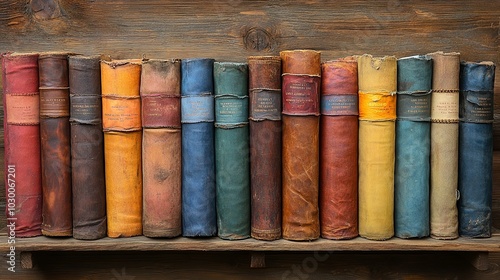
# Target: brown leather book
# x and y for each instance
(87, 148)
(121, 117)
(55, 144)
(265, 146)
(301, 109)
(22, 176)
(161, 147)
(339, 149)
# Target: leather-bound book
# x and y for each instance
(87, 148)
(55, 144)
(377, 114)
(339, 149)
(444, 145)
(22, 176)
(301, 81)
(232, 166)
(198, 159)
(477, 81)
(161, 147)
(413, 136)
(265, 146)
(121, 117)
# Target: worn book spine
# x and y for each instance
(301, 109)
(377, 80)
(412, 170)
(198, 159)
(338, 198)
(121, 117)
(161, 147)
(55, 144)
(265, 146)
(22, 175)
(444, 145)
(87, 148)
(477, 81)
(232, 166)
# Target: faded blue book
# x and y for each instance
(475, 148)
(232, 150)
(412, 171)
(198, 161)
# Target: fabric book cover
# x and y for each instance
(87, 148)
(198, 159)
(161, 147)
(301, 82)
(232, 166)
(121, 116)
(338, 195)
(377, 78)
(21, 122)
(477, 81)
(413, 135)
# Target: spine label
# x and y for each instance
(161, 111)
(301, 95)
(54, 103)
(22, 109)
(195, 109)
(231, 109)
(414, 107)
(444, 106)
(265, 105)
(121, 114)
(85, 109)
(476, 106)
(339, 105)
(373, 106)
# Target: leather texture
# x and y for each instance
(265, 146)
(22, 174)
(161, 148)
(475, 164)
(120, 82)
(377, 80)
(444, 145)
(232, 166)
(339, 149)
(55, 144)
(198, 159)
(87, 148)
(300, 154)
(412, 170)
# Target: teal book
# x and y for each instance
(232, 165)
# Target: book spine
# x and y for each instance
(87, 148)
(161, 147)
(121, 117)
(22, 174)
(198, 160)
(476, 148)
(412, 170)
(339, 149)
(444, 145)
(301, 109)
(265, 146)
(232, 166)
(55, 144)
(377, 113)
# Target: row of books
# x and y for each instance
(277, 147)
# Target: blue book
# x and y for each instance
(198, 161)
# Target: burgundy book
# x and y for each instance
(23, 183)
(55, 144)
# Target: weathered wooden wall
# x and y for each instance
(233, 30)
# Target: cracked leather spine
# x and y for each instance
(22, 142)
(477, 80)
(161, 147)
(121, 116)
(444, 145)
(232, 166)
(301, 79)
(412, 170)
(198, 160)
(338, 196)
(265, 146)
(87, 148)
(377, 114)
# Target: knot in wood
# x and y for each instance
(257, 39)
(45, 9)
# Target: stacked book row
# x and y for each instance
(277, 147)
